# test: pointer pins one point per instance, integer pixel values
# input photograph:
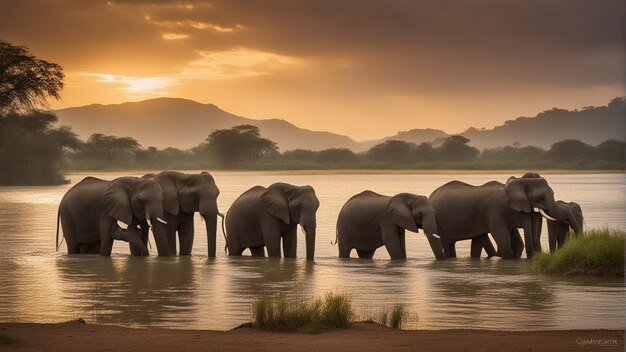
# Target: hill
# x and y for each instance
(182, 123)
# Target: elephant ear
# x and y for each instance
(275, 202)
(400, 212)
(515, 195)
(116, 201)
(171, 202)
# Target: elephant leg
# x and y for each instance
(271, 237)
(449, 249)
(185, 237)
(89, 248)
(517, 244)
(502, 235)
(477, 246)
(257, 251)
(393, 236)
(488, 247)
(144, 239)
(106, 227)
(366, 254)
(290, 243)
(344, 250)
(69, 233)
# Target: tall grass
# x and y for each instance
(597, 251)
(393, 318)
(331, 310)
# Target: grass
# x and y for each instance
(393, 318)
(597, 251)
(328, 311)
(331, 310)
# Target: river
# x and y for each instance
(38, 284)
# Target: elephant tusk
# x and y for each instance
(202, 218)
(162, 221)
(543, 213)
(122, 224)
(149, 222)
(436, 236)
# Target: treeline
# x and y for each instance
(242, 147)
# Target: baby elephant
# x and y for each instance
(369, 220)
(261, 217)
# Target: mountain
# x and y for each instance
(591, 125)
(182, 123)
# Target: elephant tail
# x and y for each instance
(57, 244)
(336, 236)
(223, 216)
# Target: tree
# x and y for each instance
(337, 155)
(26, 81)
(455, 148)
(611, 150)
(239, 144)
(570, 150)
(31, 150)
(394, 151)
(100, 151)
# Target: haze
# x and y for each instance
(365, 69)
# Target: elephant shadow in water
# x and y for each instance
(128, 291)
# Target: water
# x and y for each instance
(38, 284)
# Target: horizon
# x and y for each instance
(360, 70)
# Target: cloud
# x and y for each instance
(128, 84)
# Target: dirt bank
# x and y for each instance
(361, 337)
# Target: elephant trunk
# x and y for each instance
(209, 213)
(309, 233)
(429, 225)
(133, 236)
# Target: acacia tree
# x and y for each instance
(26, 82)
(236, 145)
(31, 149)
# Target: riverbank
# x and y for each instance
(74, 336)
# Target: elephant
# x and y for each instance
(557, 229)
(470, 212)
(261, 217)
(370, 220)
(185, 194)
(90, 210)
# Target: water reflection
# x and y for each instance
(128, 290)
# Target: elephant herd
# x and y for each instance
(95, 212)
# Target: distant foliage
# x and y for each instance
(31, 149)
(236, 145)
(26, 81)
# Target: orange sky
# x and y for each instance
(363, 69)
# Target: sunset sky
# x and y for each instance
(362, 68)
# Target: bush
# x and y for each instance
(598, 251)
(332, 310)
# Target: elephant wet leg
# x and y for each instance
(502, 236)
(517, 244)
(271, 238)
(69, 234)
(144, 238)
(344, 250)
(393, 238)
(185, 236)
(290, 243)
(89, 248)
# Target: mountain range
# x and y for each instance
(182, 123)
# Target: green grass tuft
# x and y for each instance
(398, 315)
(331, 310)
(597, 251)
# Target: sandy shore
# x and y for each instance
(361, 337)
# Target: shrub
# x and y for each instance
(598, 251)
(332, 310)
